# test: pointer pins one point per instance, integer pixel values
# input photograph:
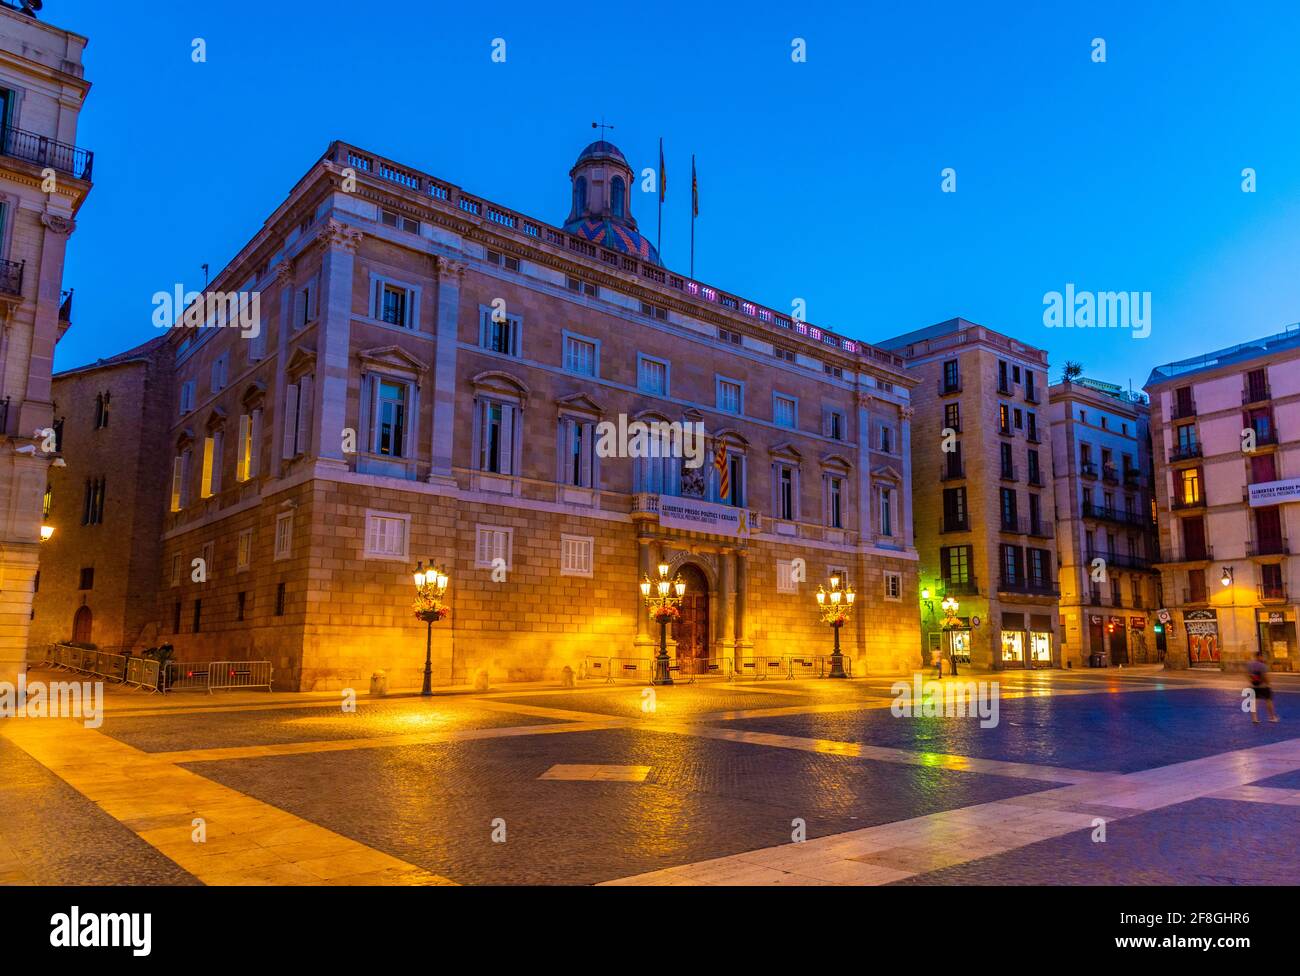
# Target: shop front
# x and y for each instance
(1202, 628)
(1277, 638)
(1139, 652)
(1040, 641)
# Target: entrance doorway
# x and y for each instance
(1203, 650)
(81, 624)
(691, 631)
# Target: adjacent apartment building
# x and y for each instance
(1226, 433)
(99, 574)
(44, 179)
(981, 450)
(1105, 524)
(406, 372)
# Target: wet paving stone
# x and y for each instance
(680, 702)
(1202, 842)
(1282, 781)
(52, 835)
(434, 805)
(1121, 732)
(203, 730)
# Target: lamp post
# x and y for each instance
(663, 597)
(950, 607)
(430, 585)
(835, 607)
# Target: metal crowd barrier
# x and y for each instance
(213, 676)
(596, 668)
(125, 669)
(790, 666)
(630, 668)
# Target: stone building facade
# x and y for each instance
(428, 379)
(99, 571)
(44, 179)
(1105, 523)
(1226, 435)
(984, 506)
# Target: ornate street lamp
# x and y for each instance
(836, 607)
(663, 597)
(430, 585)
(949, 606)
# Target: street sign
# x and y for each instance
(1163, 616)
(974, 621)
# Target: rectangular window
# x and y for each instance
(583, 287)
(955, 563)
(496, 437)
(389, 437)
(180, 480)
(577, 442)
(492, 544)
(575, 555)
(284, 535)
(784, 411)
(835, 371)
(244, 556)
(893, 586)
(1035, 478)
(87, 578)
(954, 509)
(387, 535)
(396, 303)
(654, 311)
(835, 503)
(652, 375)
(581, 356)
(208, 554)
(176, 569)
(730, 396)
(785, 582)
(219, 372)
(499, 332)
(726, 335)
(391, 219)
(197, 624)
(240, 604)
(211, 483)
(1008, 499)
(951, 377)
(785, 492)
(1004, 419)
(952, 416)
(835, 425)
(297, 417)
(783, 354)
(886, 511)
(246, 455)
(176, 617)
(279, 599)
(187, 396)
(886, 439)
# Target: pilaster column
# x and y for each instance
(333, 340)
(743, 643)
(284, 275)
(905, 445)
(866, 529)
(643, 637)
(727, 590)
(450, 275)
(35, 410)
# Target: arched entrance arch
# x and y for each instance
(692, 631)
(81, 625)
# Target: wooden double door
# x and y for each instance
(692, 632)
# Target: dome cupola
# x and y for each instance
(601, 209)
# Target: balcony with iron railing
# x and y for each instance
(1181, 411)
(1109, 513)
(954, 524)
(1268, 547)
(1110, 474)
(11, 278)
(1183, 503)
(1027, 586)
(1256, 393)
(1007, 472)
(952, 470)
(1266, 437)
(1031, 395)
(1271, 592)
(1087, 469)
(1189, 554)
(1195, 596)
(1184, 452)
(947, 388)
(966, 587)
(46, 152)
(1132, 478)
(1119, 560)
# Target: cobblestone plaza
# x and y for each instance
(731, 783)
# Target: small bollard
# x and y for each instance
(379, 684)
(567, 679)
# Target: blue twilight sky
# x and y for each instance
(818, 180)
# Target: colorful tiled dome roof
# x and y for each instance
(614, 236)
(602, 148)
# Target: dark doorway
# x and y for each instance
(81, 624)
(691, 632)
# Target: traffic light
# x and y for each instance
(1160, 628)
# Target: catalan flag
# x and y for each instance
(724, 472)
(663, 172)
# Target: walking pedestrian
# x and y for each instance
(1257, 671)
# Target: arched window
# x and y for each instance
(580, 196)
(617, 192)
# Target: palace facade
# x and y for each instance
(421, 375)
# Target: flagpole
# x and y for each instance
(693, 209)
(659, 234)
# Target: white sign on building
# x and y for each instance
(702, 516)
(1274, 492)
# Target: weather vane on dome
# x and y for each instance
(602, 126)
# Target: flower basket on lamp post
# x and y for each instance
(663, 597)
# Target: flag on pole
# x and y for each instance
(695, 190)
(724, 475)
(663, 172)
